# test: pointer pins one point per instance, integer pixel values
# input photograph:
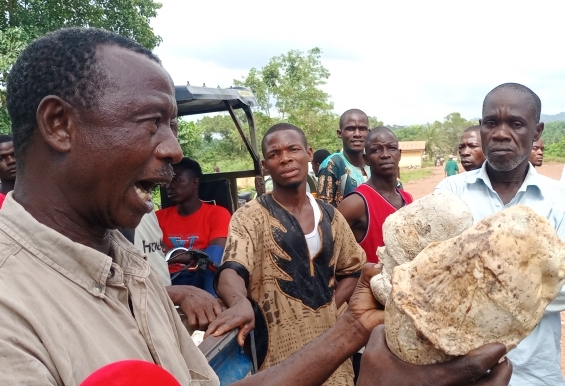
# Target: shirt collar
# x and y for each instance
(532, 178)
(83, 265)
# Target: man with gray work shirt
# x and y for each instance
(510, 125)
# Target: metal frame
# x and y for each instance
(193, 100)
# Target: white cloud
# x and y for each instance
(403, 61)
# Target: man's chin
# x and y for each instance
(292, 185)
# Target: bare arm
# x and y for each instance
(353, 209)
(344, 290)
(379, 363)
(231, 289)
(221, 241)
(314, 363)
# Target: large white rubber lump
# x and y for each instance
(489, 284)
(436, 217)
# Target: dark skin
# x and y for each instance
(183, 191)
(508, 130)
(314, 363)
(382, 156)
(134, 126)
(7, 167)
(286, 159)
(143, 107)
(200, 307)
(536, 158)
(353, 133)
(471, 151)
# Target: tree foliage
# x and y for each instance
(553, 132)
(441, 138)
(21, 21)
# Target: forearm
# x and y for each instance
(344, 290)
(231, 287)
(314, 363)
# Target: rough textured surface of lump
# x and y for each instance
(489, 284)
(436, 217)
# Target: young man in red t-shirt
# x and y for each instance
(193, 224)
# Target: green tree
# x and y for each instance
(556, 149)
(21, 21)
(453, 126)
(190, 138)
(288, 89)
(553, 132)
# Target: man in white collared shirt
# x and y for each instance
(509, 126)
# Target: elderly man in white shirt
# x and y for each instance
(509, 126)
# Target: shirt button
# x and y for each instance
(497, 204)
(111, 273)
(98, 288)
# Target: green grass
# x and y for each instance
(407, 175)
(550, 158)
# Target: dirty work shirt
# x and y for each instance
(294, 293)
(148, 237)
(536, 359)
(338, 177)
(66, 310)
(451, 168)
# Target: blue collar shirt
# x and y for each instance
(536, 360)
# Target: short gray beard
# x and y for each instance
(508, 165)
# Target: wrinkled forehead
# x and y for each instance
(509, 102)
(474, 135)
(132, 72)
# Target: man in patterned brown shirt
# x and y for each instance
(295, 257)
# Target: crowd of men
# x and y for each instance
(94, 131)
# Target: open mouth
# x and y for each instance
(143, 190)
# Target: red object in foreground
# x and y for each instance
(130, 373)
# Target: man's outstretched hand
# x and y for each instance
(379, 363)
(363, 306)
(239, 315)
(200, 307)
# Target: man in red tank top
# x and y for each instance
(371, 203)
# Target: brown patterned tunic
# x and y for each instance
(293, 294)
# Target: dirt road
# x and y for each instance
(425, 186)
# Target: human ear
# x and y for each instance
(55, 121)
(310, 154)
(338, 133)
(539, 130)
(366, 159)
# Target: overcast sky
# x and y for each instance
(405, 62)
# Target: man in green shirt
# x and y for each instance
(451, 167)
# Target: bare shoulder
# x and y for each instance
(352, 206)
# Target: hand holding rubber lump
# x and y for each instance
(489, 284)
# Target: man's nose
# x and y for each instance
(10, 159)
(169, 149)
(501, 133)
